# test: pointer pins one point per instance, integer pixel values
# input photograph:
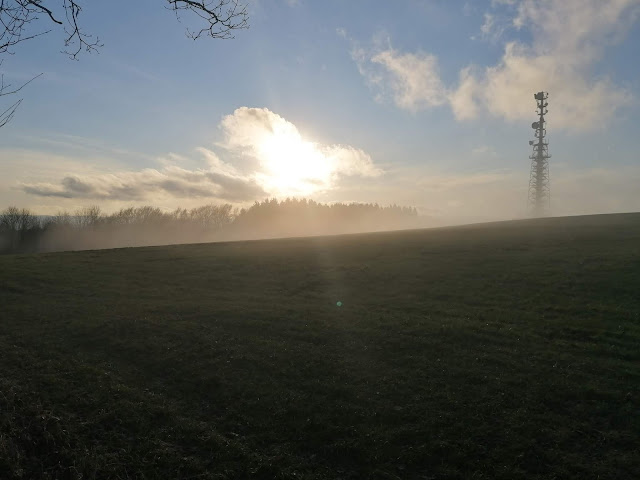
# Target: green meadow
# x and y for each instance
(494, 351)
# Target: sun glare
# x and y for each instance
(293, 166)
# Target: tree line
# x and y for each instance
(22, 231)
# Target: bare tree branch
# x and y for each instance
(222, 17)
(44, 9)
(17, 16)
(5, 89)
(7, 115)
(75, 36)
(20, 19)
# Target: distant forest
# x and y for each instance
(21, 231)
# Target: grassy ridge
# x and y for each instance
(491, 351)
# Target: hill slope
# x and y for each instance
(500, 351)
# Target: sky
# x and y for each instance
(419, 103)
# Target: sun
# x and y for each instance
(292, 165)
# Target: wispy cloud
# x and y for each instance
(464, 99)
(414, 78)
(494, 26)
(488, 24)
(484, 150)
(411, 80)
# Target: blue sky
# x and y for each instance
(423, 103)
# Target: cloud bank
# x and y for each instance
(568, 39)
(170, 181)
(266, 155)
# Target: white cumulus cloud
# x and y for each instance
(285, 162)
(568, 39)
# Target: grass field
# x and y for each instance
(497, 351)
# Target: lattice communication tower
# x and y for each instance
(539, 193)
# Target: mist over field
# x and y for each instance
(88, 228)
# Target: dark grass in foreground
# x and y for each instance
(494, 351)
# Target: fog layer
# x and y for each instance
(21, 231)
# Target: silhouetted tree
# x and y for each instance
(296, 217)
(15, 223)
(211, 217)
(87, 217)
(62, 219)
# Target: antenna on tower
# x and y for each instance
(539, 193)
